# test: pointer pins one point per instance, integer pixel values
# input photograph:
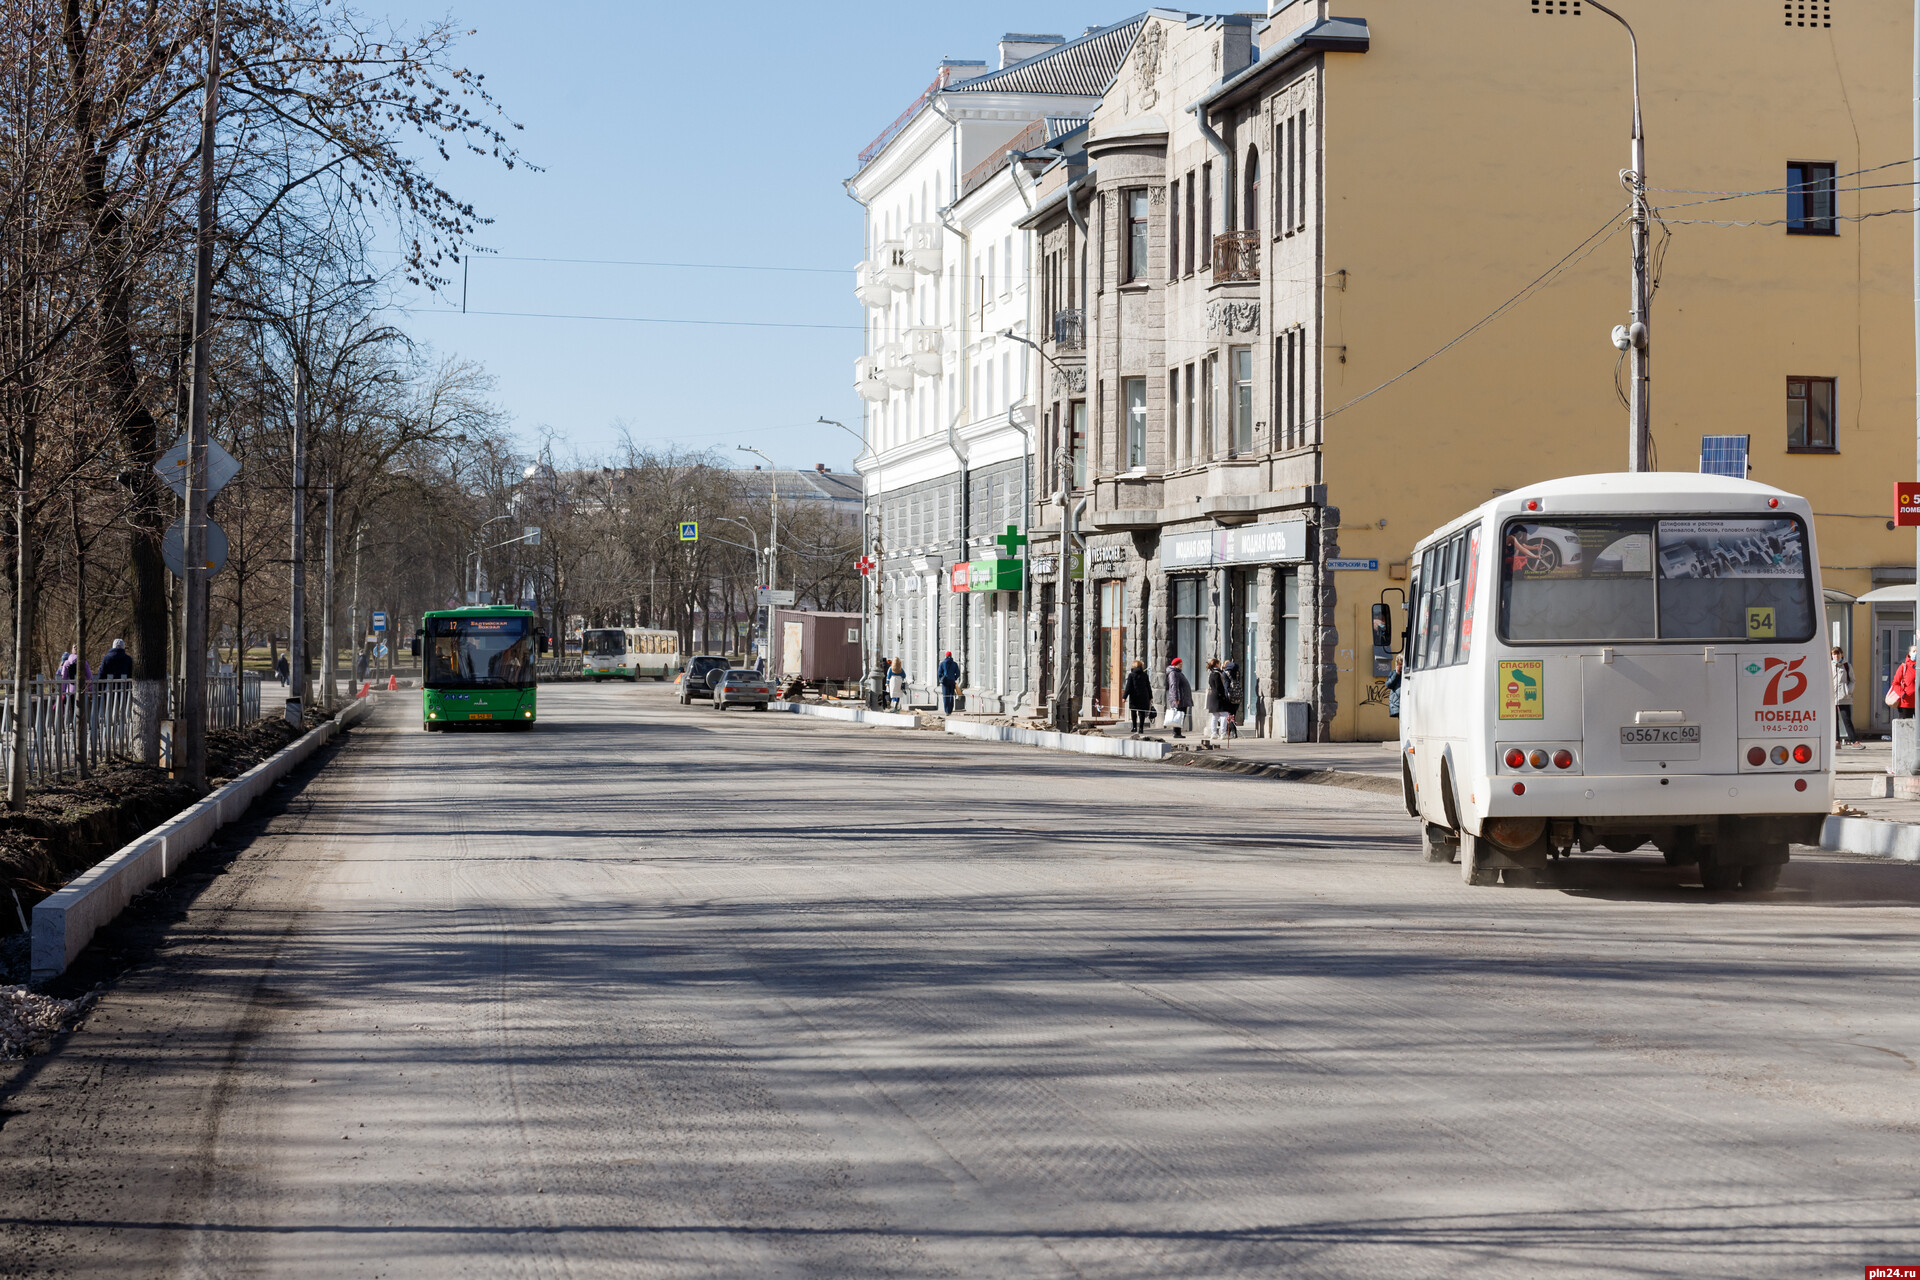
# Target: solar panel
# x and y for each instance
(1724, 456)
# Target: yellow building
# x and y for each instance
(1378, 187)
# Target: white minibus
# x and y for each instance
(628, 653)
(1611, 661)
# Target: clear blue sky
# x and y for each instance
(690, 134)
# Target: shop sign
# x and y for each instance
(996, 575)
(1186, 550)
(1906, 503)
(959, 576)
(1264, 543)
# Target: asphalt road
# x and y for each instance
(655, 991)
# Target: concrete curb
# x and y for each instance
(1872, 837)
(1378, 784)
(1085, 744)
(856, 715)
(66, 921)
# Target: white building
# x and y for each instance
(949, 411)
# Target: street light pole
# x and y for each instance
(297, 625)
(872, 601)
(1636, 337)
(190, 733)
(1065, 678)
(773, 537)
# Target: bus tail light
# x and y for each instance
(1519, 788)
(1756, 756)
(1799, 784)
(1515, 757)
(1538, 759)
(1802, 753)
(1563, 759)
(1779, 755)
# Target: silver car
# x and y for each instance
(742, 688)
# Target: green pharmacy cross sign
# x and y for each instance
(1011, 541)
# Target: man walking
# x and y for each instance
(949, 673)
(118, 663)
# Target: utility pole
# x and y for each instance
(190, 730)
(327, 641)
(297, 626)
(1635, 336)
(353, 610)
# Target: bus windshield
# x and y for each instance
(605, 644)
(490, 653)
(1656, 579)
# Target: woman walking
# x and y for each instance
(1179, 697)
(1219, 706)
(1138, 692)
(1844, 735)
(897, 684)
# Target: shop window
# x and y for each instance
(1289, 675)
(1810, 416)
(1188, 601)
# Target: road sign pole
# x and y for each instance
(297, 624)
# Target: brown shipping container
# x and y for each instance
(816, 646)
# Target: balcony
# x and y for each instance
(894, 267)
(924, 350)
(1236, 257)
(870, 288)
(1070, 329)
(924, 243)
(868, 382)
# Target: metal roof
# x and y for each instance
(1083, 66)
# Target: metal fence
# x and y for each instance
(52, 714)
(551, 667)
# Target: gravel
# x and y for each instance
(26, 1019)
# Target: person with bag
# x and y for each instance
(1179, 698)
(1235, 698)
(1219, 706)
(897, 684)
(1844, 735)
(949, 674)
(1138, 694)
(1900, 691)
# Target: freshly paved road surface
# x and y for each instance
(661, 992)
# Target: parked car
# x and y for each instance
(742, 687)
(703, 671)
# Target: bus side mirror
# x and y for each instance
(543, 641)
(414, 644)
(1382, 628)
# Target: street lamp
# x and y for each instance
(757, 564)
(773, 536)
(479, 536)
(871, 599)
(1635, 337)
(1069, 534)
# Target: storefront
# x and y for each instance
(995, 673)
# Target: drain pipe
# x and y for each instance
(1226, 165)
(1066, 701)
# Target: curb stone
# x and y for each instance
(64, 922)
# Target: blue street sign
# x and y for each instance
(689, 531)
(1369, 566)
(379, 619)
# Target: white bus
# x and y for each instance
(628, 653)
(1610, 661)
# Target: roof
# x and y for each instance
(1083, 66)
(805, 486)
(1328, 35)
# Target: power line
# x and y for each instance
(681, 266)
(557, 315)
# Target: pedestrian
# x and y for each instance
(1393, 688)
(949, 683)
(897, 684)
(1844, 736)
(117, 663)
(877, 690)
(1900, 691)
(1219, 706)
(282, 669)
(1235, 698)
(71, 668)
(1138, 693)
(1179, 697)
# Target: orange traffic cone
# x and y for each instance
(393, 683)
(363, 688)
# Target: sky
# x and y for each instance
(663, 134)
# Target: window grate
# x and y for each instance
(1557, 7)
(1809, 13)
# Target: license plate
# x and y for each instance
(1637, 735)
(479, 715)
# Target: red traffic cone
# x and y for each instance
(363, 688)
(393, 683)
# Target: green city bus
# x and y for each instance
(480, 665)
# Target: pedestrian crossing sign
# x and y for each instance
(689, 531)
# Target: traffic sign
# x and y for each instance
(530, 534)
(173, 548)
(689, 531)
(769, 596)
(172, 467)
(1368, 566)
(379, 619)
(1906, 503)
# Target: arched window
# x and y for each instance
(1253, 189)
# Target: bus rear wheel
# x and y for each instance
(1474, 860)
(1760, 879)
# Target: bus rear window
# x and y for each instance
(1627, 579)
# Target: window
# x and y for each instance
(1135, 267)
(1186, 244)
(1175, 455)
(1253, 189)
(1289, 634)
(1443, 601)
(1283, 152)
(1135, 390)
(1206, 216)
(1189, 631)
(1300, 175)
(1079, 409)
(1208, 445)
(1682, 578)
(1288, 362)
(1810, 199)
(1006, 266)
(986, 405)
(1810, 415)
(1242, 370)
(1173, 231)
(986, 281)
(1188, 444)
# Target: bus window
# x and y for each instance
(1578, 579)
(1473, 581)
(1450, 637)
(1734, 580)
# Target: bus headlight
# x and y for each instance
(527, 714)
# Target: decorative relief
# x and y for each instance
(1146, 64)
(1156, 196)
(1071, 381)
(1224, 317)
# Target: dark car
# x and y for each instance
(742, 687)
(702, 673)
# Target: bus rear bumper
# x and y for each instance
(1609, 800)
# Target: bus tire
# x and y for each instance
(1406, 788)
(1438, 843)
(1763, 878)
(1719, 875)
(1473, 862)
(1520, 878)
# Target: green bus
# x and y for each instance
(480, 665)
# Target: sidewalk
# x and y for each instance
(1346, 757)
